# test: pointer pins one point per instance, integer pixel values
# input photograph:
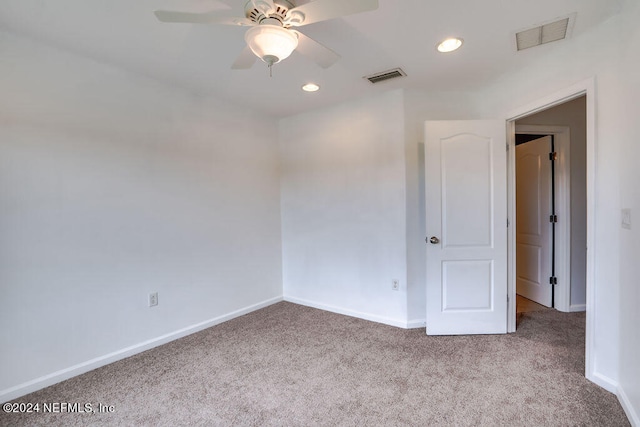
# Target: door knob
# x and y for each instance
(434, 240)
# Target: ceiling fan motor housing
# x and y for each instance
(259, 10)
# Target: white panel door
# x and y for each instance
(466, 222)
(533, 229)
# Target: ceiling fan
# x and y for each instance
(272, 36)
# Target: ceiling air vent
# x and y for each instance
(547, 33)
(386, 75)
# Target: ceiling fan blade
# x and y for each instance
(245, 60)
(322, 10)
(202, 18)
(322, 55)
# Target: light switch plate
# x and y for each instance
(626, 219)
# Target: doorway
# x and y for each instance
(580, 285)
(564, 216)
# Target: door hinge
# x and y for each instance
(553, 156)
(553, 280)
(507, 147)
(553, 218)
(508, 223)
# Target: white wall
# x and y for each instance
(113, 186)
(344, 208)
(625, 119)
(599, 54)
(420, 106)
(574, 115)
(339, 167)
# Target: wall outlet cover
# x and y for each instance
(626, 219)
(153, 299)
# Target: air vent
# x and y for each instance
(547, 33)
(385, 75)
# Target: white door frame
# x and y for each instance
(585, 87)
(562, 146)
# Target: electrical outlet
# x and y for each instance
(395, 284)
(626, 219)
(153, 299)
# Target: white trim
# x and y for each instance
(633, 416)
(562, 137)
(417, 324)
(560, 97)
(72, 371)
(511, 229)
(577, 307)
(605, 382)
(590, 343)
(348, 312)
(587, 87)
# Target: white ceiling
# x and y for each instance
(401, 33)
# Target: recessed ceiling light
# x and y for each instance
(310, 87)
(449, 45)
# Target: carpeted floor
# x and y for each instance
(289, 365)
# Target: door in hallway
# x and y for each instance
(534, 243)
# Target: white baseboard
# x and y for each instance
(577, 307)
(417, 323)
(349, 312)
(604, 382)
(631, 412)
(89, 365)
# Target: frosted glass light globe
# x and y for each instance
(271, 43)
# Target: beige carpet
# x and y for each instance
(288, 365)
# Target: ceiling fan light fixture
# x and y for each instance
(449, 45)
(271, 43)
